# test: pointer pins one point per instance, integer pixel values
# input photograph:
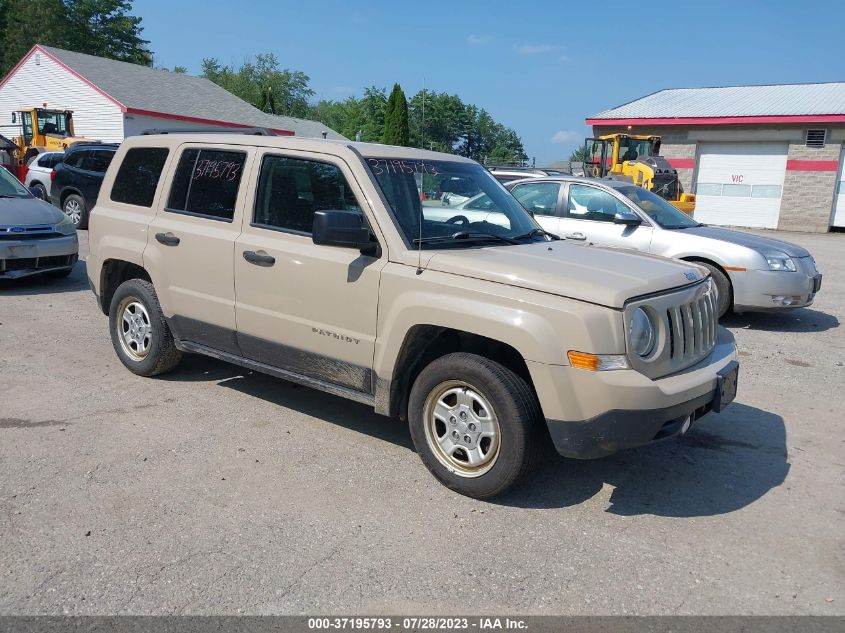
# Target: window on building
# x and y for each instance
(137, 178)
(290, 190)
(206, 183)
(708, 189)
(736, 191)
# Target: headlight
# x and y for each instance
(65, 227)
(779, 260)
(641, 333)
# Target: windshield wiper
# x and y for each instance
(534, 232)
(464, 235)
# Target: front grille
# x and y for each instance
(27, 232)
(686, 323)
(36, 263)
(691, 329)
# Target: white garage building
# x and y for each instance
(756, 156)
(112, 100)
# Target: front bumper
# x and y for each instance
(768, 290)
(593, 414)
(22, 258)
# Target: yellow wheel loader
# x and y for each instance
(636, 158)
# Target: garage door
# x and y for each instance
(839, 201)
(740, 184)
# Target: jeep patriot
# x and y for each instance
(325, 263)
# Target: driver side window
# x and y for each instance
(538, 197)
(589, 203)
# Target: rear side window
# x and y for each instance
(98, 160)
(206, 183)
(137, 178)
(75, 159)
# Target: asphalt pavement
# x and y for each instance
(213, 490)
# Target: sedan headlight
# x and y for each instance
(641, 333)
(778, 260)
(65, 227)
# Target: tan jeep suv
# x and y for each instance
(325, 263)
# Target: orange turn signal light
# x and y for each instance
(583, 360)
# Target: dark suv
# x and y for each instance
(77, 179)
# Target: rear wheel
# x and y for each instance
(40, 190)
(139, 332)
(723, 288)
(74, 208)
(474, 424)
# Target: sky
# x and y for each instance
(538, 67)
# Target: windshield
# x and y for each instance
(658, 209)
(454, 199)
(632, 148)
(52, 122)
(10, 187)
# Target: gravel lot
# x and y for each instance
(216, 491)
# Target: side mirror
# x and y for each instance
(342, 228)
(37, 192)
(627, 218)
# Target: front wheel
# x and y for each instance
(74, 208)
(474, 424)
(139, 332)
(724, 296)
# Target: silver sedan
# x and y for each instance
(753, 273)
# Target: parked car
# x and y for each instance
(317, 261)
(35, 237)
(78, 177)
(509, 174)
(39, 175)
(752, 273)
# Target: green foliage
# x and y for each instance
(448, 125)
(97, 27)
(396, 118)
(289, 88)
(578, 155)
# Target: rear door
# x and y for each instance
(543, 200)
(302, 307)
(190, 243)
(588, 217)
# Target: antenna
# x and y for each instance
(422, 184)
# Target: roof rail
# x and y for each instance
(254, 131)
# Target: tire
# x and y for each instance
(42, 191)
(723, 287)
(74, 207)
(502, 416)
(139, 332)
(59, 274)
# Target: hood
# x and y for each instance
(749, 240)
(28, 211)
(605, 276)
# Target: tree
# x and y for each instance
(578, 155)
(396, 118)
(290, 88)
(97, 27)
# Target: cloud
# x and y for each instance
(533, 49)
(473, 39)
(565, 136)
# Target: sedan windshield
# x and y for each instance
(452, 204)
(10, 187)
(658, 209)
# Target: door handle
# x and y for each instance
(575, 236)
(168, 239)
(259, 259)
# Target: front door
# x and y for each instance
(301, 307)
(588, 218)
(190, 244)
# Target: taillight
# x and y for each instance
(52, 175)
